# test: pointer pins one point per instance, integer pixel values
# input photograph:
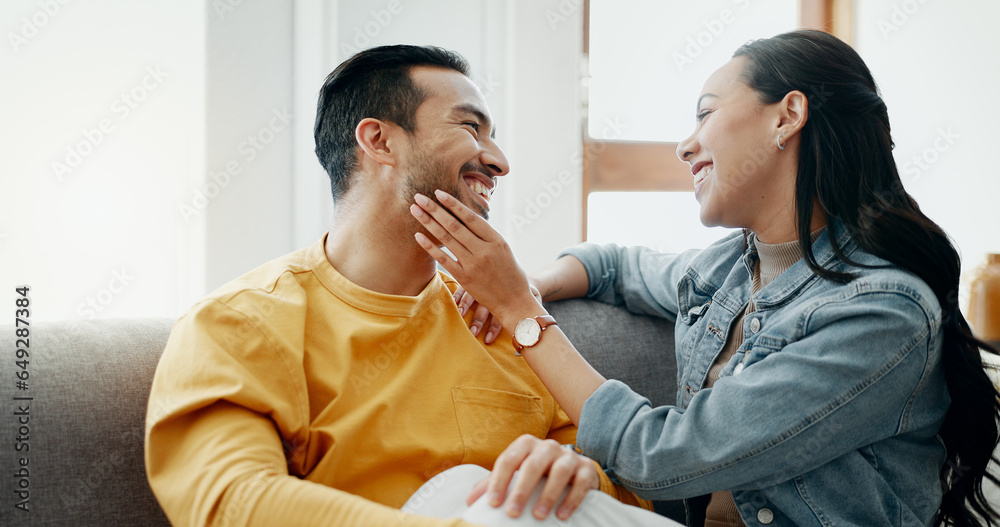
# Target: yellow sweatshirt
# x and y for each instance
(293, 396)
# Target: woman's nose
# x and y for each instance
(687, 148)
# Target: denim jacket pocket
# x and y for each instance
(692, 303)
(489, 420)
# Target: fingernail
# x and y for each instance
(416, 211)
(494, 499)
(541, 511)
(422, 200)
(563, 514)
(463, 309)
(442, 195)
(475, 329)
(513, 511)
(489, 336)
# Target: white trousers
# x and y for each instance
(444, 497)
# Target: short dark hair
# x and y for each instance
(374, 83)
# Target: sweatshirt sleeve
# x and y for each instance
(213, 452)
(642, 280)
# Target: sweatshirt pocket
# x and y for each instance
(489, 420)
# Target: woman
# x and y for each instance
(826, 373)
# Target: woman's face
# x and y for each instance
(738, 177)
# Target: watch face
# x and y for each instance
(527, 331)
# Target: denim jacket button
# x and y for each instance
(755, 325)
(765, 516)
(738, 369)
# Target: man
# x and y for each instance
(326, 386)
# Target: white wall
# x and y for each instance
(105, 229)
(249, 136)
(314, 56)
(545, 43)
(938, 66)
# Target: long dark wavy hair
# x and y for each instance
(846, 164)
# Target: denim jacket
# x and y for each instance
(827, 414)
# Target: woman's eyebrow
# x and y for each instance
(698, 106)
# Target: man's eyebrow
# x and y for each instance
(698, 106)
(483, 118)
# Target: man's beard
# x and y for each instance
(426, 176)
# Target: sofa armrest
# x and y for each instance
(89, 383)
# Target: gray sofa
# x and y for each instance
(89, 383)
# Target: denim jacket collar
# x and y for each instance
(799, 274)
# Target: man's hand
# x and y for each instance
(535, 458)
(482, 317)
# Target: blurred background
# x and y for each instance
(154, 150)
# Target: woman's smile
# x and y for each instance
(704, 171)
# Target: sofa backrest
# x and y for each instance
(635, 349)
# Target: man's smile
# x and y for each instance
(480, 185)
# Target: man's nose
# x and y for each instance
(494, 158)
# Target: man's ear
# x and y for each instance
(793, 113)
(376, 138)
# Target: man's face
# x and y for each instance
(452, 148)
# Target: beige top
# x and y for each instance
(774, 259)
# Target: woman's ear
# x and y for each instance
(376, 140)
(794, 111)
